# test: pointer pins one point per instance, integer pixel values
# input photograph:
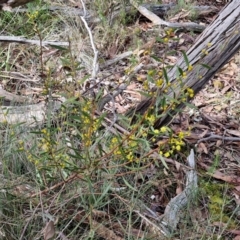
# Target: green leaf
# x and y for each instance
(165, 75)
(180, 71)
(59, 47)
(144, 94)
(156, 58)
(158, 39)
(185, 57)
(131, 187)
(163, 161)
(163, 102)
(206, 66)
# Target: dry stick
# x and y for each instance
(156, 229)
(102, 231)
(27, 223)
(117, 126)
(95, 67)
(116, 59)
(167, 223)
(213, 136)
(36, 42)
(19, 76)
(158, 21)
(69, 179)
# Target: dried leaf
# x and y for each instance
(234, 132)
(203, 133)
(49, 231)
(202, 148)
(229, 179)
(179, 189)
(218, 143)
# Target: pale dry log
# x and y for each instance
(173, 211)
(8, 97)
(166, 224)
(31, 115)
(214, 48)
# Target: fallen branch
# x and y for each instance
(95, 64)
(18, 76)
(70, 179)
(213, 137)
(116, 59)
(7, 98)
(167, 223)
(102, 231)
(36, 42)
(28, 115)
(158, 21)
(173, 210)
(162, 10)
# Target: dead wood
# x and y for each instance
(158, 21)
(173, 211)
(30, 115)
(7, 97)
(213, 48)
(162, 10)
(167, 223)
(28, 41)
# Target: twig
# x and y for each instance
(36, 42)
(19, 76)
(158, 21)
(213, 136)
(95, 59)
(70, 179)
(27, 223)
(115, 125)
(110, 96)
(116, 59)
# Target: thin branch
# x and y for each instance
(95, 59)
(158, 21)
(213, 137)
(36, 42)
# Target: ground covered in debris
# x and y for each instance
(77, 173)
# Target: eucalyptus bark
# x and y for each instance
(213, 48)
